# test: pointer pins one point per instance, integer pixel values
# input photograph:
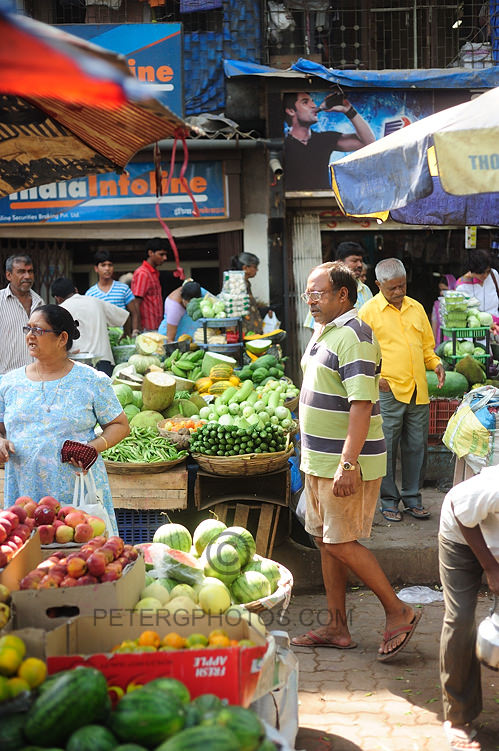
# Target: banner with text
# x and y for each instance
(112, 197)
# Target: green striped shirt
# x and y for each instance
(340, 365)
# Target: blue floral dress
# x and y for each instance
(38, 421)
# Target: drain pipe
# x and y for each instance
(217, 144)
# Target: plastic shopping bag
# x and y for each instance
(88, 498)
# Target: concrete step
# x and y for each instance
(407, 551)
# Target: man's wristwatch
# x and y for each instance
(347, 466)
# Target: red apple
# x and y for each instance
(108, 553)
(64, 534)
(64, 511)
(10, 516)
(51, 502)
(3, 535)
(83, 532)
(109, 576)
(74, 518)
(58, 523)
(32, 580)
(16, 540)
(98, 541)
(87, 579)
(59, 555)
(6, 551)
(23, 500)
(3, 559)
(58, 571)
(46, 565)
(49, 582)
(30, 523)
(96, 563)
(23, 531)
(44, 515)
(97, 524)
(10, 543)
(47, 534)
(115, 540)
(115, 566)
(68, 581)
(19, 512)
(30, 508)
(6, 526)
(77, 567)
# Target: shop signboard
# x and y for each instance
(152, 51)
(117, 198)
(315, 137)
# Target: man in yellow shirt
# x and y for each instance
(403, 331)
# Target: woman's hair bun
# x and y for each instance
(76, 331)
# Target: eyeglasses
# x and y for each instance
(312, 296)
(37, 331)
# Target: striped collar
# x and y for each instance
(340, 320)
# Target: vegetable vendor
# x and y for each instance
(51, 400)
(177, 322)
(249, 263)
(481, 282)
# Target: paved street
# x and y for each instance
(349, 701)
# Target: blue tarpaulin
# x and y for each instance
(430, 78)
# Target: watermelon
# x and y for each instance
(245, 725)
(221, 560)
(202, 739)
(176, 536)
(454, 387)
(146, 717)
(250, 586)
(268, 568)
(207, 532)
(175, 564)
(169, 686)
(131, 747)
(211, 359)
(152, 552)
(207, 704)
(241, 540)
(91, 737)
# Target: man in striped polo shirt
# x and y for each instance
(109, 290)
(343, 456)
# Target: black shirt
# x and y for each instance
(307, 165)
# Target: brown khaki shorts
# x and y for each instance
(335, 519)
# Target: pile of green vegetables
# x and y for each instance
(205, 307)
(229, 440)
(185, 364)
(116, 337)
(261, 369)
(143, 445)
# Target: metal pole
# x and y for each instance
(415, 33)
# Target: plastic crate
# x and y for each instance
(478, 333)
(441, 410)
(136, 526)
(481, 358)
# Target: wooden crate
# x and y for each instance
(165, 490)
(273, 487)
(260, 519)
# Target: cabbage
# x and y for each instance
(485, 319)
(130, 411)
(466, 347)
(448, 349)
(478, 351)
(124, 394)
(473, 322)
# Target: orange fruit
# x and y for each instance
(149, 639)
(217, 632)
(234, 643)
(17, 686)
(14, 642)
(219, 641)
(173, 640)
(10, 659)
(33, 671)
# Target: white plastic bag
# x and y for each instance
(420, 595)
(270, 322)
(88, 498)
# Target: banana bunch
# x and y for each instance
(186, 364)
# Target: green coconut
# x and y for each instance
(146, 419)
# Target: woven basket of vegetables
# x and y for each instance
(178, 430)
(144, 450)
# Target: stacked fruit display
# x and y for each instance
(18, 673)
(211, 571)
(58, 524)
(151, 641)
(159, 715)
(15, 529)
(99, 560)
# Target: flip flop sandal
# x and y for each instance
(417, 513)
(391, 514)
(390, 635)
(318, 641)
(461, 740)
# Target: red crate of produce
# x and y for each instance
(441, 410)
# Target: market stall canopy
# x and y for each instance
(443, 169)
(69, 108)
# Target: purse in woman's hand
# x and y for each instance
(80, 452)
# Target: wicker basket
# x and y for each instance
(243, 464)
(292, 404)
(282, 594)
(172, 435)
(140, 468)
(295, 430)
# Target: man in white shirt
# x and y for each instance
(94, 317)
(468, 547)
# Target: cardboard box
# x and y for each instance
(25, 559)
(48, 608)
(230, 673)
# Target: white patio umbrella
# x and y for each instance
(443, 169)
